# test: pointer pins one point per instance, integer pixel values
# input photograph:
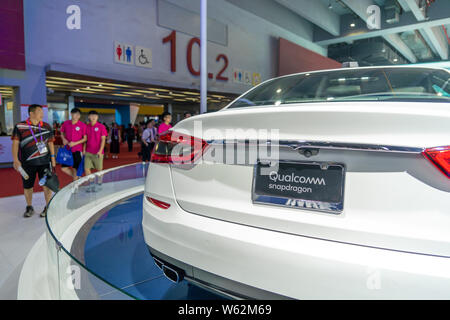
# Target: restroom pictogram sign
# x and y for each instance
(123, 53)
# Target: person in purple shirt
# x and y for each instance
(148, 140)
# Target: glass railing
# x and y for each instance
(71, 210)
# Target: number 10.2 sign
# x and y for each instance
(221, 58)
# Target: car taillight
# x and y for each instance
(158, 203)
(440, 157)
(178, 148)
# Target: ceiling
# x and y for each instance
(96, 90)
(414, 31)
(6, 92)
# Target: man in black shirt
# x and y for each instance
(32, 151)
(130, 137)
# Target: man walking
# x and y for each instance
(94, 148)
(130, 133)
(73, 134)
(148, 140)
(32, 152)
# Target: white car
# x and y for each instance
(346, 197)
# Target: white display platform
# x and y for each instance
(38, 280)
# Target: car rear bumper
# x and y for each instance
(212, 282)
(249, 262)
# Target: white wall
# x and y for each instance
(252, 41)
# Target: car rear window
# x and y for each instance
(351, 84)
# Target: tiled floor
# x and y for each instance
(17, 237)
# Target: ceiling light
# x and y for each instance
(144, 91)
(96, 90)
(191, 93)
(352, 25)
(57, 82)
(395, 59)
(158, 89)
(121, 95)
(90, 82)
(68, 79)
(84, 91)
(132, 93)
(161, 96)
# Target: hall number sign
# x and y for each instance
(221, 58)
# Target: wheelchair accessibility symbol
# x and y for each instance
(143, 57)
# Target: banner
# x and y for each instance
(134, 110)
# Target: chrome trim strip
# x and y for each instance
(350, 146)
(302, 144)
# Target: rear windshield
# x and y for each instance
(400, 84)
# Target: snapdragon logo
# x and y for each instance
(275, 177)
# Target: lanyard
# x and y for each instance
(152, 134)
(40, 132)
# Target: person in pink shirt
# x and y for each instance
(165, 125)
(73, 134)
(94, 148)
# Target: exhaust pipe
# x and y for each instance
(158, 263)
(172, 274)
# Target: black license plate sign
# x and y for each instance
(312, 185)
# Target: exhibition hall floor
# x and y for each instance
(15, 187)
(17, 237)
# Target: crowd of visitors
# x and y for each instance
(36, 144)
